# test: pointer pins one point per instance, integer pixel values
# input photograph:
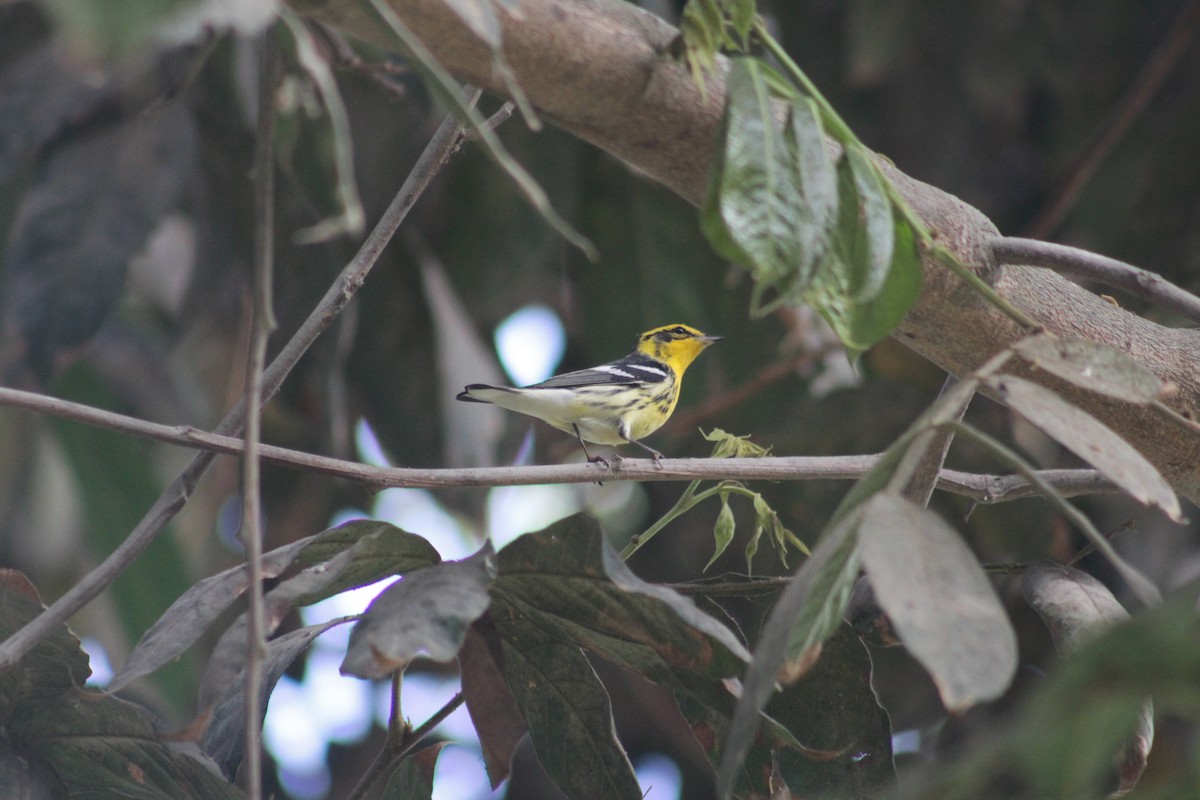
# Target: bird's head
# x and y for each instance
(676, 345)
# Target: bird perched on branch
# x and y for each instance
(615, 403)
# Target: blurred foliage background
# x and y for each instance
(126, 230)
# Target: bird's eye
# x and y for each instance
(679, 331)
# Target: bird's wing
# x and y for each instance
(628, 371)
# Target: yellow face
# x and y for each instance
(677, 345)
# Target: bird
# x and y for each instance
(615, 403)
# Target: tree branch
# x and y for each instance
(1102, 269)
(262, 322)
(601, 69)
(984, 489)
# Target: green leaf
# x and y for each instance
(567, 711)
(379, 549)
(570, 581)
(426, 613)
(116, 27)
(708, 26)
(869, 272)
(723, 531)
(834, 714)
(351, 555)
(224, 737)
(54, 665)
(938, 599)
(730, 446)
(838, 282)
(752, 213)
(817, 215)
(808, 611)
(413, 779)
(101, 747)
(118, 483)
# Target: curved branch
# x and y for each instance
(600, 69)
(1092, 266)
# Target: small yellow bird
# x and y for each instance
(615, 403)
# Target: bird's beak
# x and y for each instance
(709, 339)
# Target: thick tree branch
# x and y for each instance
(600, 70)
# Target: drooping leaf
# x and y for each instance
(569, 580)
(568, 713)
(567, 585)
(723, 531)
(426, 613)
(869, 269)
(192, 613)
(1092, 366)
(939, 600)
(377, 550)
(224, 739)
(812, 605)
(846, 274)
(497, 719)
(754, 209)
(1091, 440)
(846, 735)
(817, 216)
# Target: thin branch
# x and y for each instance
(1155, 72)
(262, 323)
(443, 144)
(1092, 266)
(984, 489)
(395, 749)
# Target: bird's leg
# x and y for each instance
(593, 459)
(654, 454)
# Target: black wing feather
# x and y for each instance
(600, 376)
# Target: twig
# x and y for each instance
(262, 323)
(984, 489)
(396, 748)
(436, 153)
(1155, 72)
(1109, 271)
